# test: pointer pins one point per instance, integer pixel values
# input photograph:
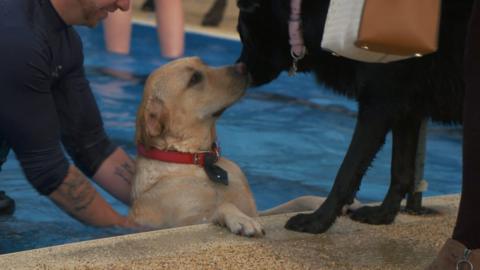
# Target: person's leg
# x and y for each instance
(170, 27)
(467, 228)
(463, 250)
(214, 15)
(117, 31)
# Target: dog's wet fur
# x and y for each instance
(394, 97)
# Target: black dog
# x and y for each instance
(392, 97)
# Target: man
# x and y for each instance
(46, 103)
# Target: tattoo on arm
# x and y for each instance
(126, 171)
(78, 191)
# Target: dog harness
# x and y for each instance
(206, 160)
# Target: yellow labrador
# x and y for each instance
(180, 180)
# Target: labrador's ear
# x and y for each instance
(248, 6)
(151, 121)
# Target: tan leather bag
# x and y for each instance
(400, 27)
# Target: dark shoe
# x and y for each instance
(454, 255)
(7, 204)
(149, 5)
(215, 15)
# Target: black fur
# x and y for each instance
(392, 97)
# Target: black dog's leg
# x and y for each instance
(404, 148)
(369, 136)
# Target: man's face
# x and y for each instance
(94, 11)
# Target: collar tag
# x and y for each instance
(216, 174)
(206, 160)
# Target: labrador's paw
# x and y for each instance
(244, 225)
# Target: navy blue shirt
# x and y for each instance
(45, 99)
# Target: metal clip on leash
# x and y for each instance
(293, 69)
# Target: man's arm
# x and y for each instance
(115, 175)
(77, 196)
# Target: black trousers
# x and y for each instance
(467, 228)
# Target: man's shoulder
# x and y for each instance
(18, 22)
(19, 12)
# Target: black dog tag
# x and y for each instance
(216, 174)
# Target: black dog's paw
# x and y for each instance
(309, 223)
(376, 215)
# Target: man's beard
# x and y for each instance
(89, 12)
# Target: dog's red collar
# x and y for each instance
(201, 158)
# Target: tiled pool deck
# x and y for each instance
(410, 243)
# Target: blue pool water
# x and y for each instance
(289, 137)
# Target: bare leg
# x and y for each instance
(170, 27)
(118, 31)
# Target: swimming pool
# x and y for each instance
(289, 137)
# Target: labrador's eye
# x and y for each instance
(196, 78)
